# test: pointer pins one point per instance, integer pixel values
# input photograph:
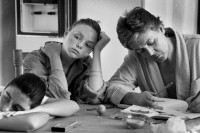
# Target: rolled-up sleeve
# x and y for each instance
(194, 57)
(85, 94)
(94, 97)
(37, 64)
(81, 91)
(194, 100)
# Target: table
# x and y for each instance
(90, 122)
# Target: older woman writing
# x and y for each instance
(157, 56)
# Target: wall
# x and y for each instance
(108, 12)
(179, 14)
(7, 40)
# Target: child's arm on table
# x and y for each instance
(37, 117)
(57, 107)
(54, 107)
(25, 122)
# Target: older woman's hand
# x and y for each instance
(149, 100)
(103, 41)
(143, 99)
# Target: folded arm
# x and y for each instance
(37, 117)
(26, 122)
(37, 63)
(55, 107)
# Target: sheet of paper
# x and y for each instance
(184, 115)
(134, 109)
(171, 108)
(174, 104)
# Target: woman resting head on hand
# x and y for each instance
(25, 107)
(67, 67)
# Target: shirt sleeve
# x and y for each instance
(194, 55)
(37, 63)
(123, 81)
(81, 92)
(45, 98)
(194, 101)
(94, 97)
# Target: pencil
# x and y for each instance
(167, 86)
(74, 124)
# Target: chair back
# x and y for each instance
(17, 61)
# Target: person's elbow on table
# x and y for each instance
(67, 108)
(33, 121)
(25, 122)
(75, 107)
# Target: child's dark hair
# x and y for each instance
(32, 86)
(87, 21)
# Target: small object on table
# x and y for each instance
(92, 109)
(140, 111)
(135, 121)
(58, 128)
(117, 116)
(101, 109)
(63, 128)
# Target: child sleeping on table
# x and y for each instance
(24, 106)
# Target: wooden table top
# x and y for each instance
(90, 122)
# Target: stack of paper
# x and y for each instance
(171, 108)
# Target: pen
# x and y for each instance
(167, 86)
(71, 125)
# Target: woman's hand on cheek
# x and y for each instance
(103, 41)
(52, 49)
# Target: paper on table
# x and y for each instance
(171, 108)
(177, 107)
(134, 109)
(184, 115)
(175, 104)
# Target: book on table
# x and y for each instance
(171, 108)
